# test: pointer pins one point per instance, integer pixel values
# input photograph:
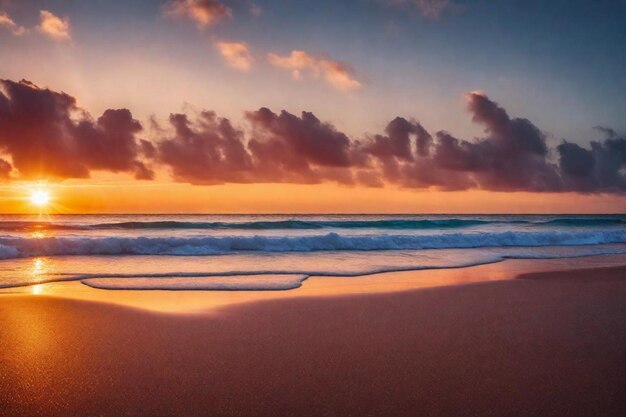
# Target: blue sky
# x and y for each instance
(562, 64)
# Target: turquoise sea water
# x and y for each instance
(192, 247)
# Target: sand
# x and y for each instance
(549, 344)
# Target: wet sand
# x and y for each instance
(547, 344)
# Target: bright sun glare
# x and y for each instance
(40, 198)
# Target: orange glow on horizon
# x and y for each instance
(117, 195)
(40, 198)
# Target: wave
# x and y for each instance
(391, 224)
(16, 247)
(274, 278)
(255, 225)
(299, 224)
(582, 221)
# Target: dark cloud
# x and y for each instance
(599, 168)
(607, 131)
(305, 138)
(110, 144)
(282, 147)
(47, 135)
(397, 142)
(286, 147)
(395, 149)
(147, 148)
(207, 151)
(511, 135)
(460, 155)
(513, 155)
(5, 169)
(44, 133)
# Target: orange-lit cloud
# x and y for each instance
(46, 135)
(5, 170)
(8, 23)
(204, 12)
(236, 54)
(338, 74)
(53, 26)
(296, 62)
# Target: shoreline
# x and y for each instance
(83, 278)
(551, 345)
(201, 301)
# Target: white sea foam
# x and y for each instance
(283, 280)
(12, 247)
(271, 282)
(259, 271)
(215, 252)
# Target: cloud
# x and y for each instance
(512, 157)
(205, 13)
(296, 62)
(236, 54)
(208, 150)
(283, 147)
(431, 9)
(47, 135)
(289, 148)
(53, 26)
(600, 168)
(8, 23)
(397, 141)
(5, 170)
(607, 131)
(338, 74)
(110, 143)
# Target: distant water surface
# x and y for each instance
(279, 251)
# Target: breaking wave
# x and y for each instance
(397, 224)
(16, 247)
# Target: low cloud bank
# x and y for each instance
(45, 133)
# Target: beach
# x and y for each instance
(262, 208)
(516, 343)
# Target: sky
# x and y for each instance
(314, 106)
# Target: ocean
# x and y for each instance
(278, 252)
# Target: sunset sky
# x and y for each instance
(213, 106)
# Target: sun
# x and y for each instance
(40, 198)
